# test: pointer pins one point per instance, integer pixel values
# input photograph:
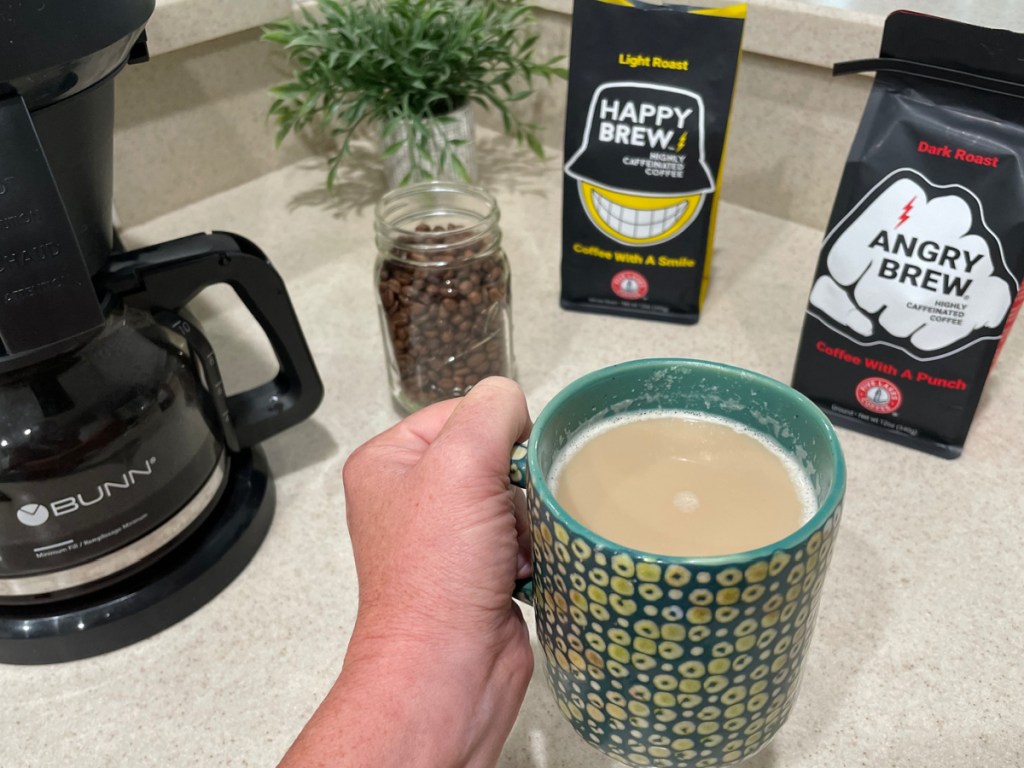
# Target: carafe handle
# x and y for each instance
(169, 275)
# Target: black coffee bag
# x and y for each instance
(919, 276)
(650, 88)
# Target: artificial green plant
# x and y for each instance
(402, 64)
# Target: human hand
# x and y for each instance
(439, 538)
(438, 534)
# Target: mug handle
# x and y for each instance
(517, 465)
(517, 474)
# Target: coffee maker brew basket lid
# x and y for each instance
(46, 47)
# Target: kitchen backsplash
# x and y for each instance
(192, 121)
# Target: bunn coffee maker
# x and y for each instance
(132, 487)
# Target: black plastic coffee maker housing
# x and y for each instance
(132, 487)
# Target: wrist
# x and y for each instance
(411, 700)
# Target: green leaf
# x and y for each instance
(288, 90)
(534, 144)
(392, 149)
(460, 169)
(332, 7)
(282, 132)
(332, 174)
(311, 20)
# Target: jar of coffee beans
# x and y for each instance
(443, 288)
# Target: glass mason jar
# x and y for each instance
(443, 289)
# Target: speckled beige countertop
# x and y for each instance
(915, 661)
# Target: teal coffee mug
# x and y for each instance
(671, 661)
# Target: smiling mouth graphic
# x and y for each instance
(637, 224)
(637, 219)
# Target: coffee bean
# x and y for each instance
(446, 311)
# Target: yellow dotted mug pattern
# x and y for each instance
(661, 664)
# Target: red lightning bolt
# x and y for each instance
(906, 212)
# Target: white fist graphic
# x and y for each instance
(911, 261)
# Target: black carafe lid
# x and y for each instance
(51, 50)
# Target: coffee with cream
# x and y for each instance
(681, 483)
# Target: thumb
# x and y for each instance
(484, 426)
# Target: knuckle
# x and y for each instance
(355, 466)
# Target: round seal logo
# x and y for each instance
(628, 284)
(879, 395)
